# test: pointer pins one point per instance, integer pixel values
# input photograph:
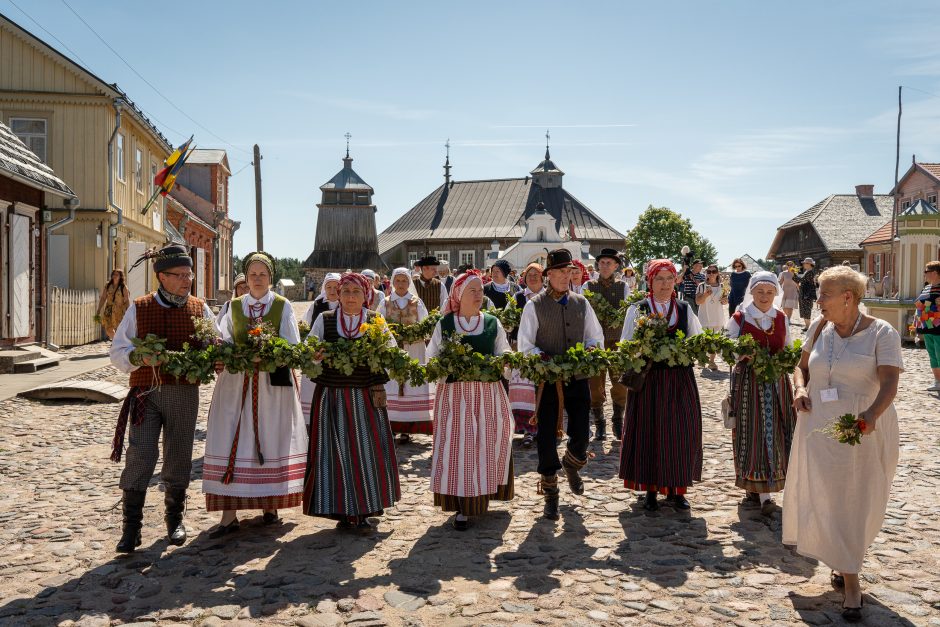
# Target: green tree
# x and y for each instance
(767, 264)
(660, 233)
(287, 268)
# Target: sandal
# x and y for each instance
(404, 438)
(221, 530)
(461, 525)
(853, 614)
(837, 580)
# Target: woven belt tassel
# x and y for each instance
(254, 414)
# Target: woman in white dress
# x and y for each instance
(711, 305)
(629, 277)
(409, 408)
(327, 300)
(472, 461)
(836, 495)
(256, 440)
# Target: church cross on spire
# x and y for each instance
(348, 137)
(447, 163)
(548, 137)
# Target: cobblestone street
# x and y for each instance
(607, 562)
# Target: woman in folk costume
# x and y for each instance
(352, 472)
(662, 430)
(409, 408)
(765, 418)
(327, 300)
(472, 461)
(256, 441)
(522, 391)
(239, 288)
(579, 276)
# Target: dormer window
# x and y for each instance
(932, 199)
(541, 235)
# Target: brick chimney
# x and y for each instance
(865, 191)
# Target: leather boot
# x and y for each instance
(616, 422)
(175, 501)
(572, 465)
(600, 423)
(549, 487)
(132, 508)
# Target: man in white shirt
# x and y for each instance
(555, 320)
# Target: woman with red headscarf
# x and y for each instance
(579, 276)
(352, 472)
(472, 461)
(662, 430)
(522, 391)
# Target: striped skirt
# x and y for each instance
(351, 466)
(472, 441)
(763, 434)
(662, 433)
(409, 408)
(522, 401)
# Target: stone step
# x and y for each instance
(33, 365)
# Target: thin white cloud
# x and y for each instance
(551, 126)
(369, 107)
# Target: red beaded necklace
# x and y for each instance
(349, 332)
(466, 330)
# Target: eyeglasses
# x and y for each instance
(711, 272)
(185, 276)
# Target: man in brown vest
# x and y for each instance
(552, 322)
(613, 290)
(430, 289)
(157, 401)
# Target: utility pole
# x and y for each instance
(897, 163)
(259, 229)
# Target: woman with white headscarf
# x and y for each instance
(327, 300)
(472, 461)
(409, 408)
(765, 418)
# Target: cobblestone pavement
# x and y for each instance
(607, 562)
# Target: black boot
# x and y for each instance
(549, 487)
(650, 504)
(616, 422)
(600, 424)
(132, 507)
(175, 501)
(572, 465)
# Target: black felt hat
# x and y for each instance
(558, 259)
(173, 256)
(428, 261)
(610, 253)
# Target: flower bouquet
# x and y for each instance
(576, 361)
(196, 362)
(846, 429)
(609, 316)
(458, 361)
(418, 332)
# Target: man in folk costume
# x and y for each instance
(430, 289)
(552, 322)
(613, 290)
(157, 401)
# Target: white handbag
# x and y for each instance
(728, 419)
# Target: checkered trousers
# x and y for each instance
(172, 408)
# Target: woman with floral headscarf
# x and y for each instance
(765, 418)
(352, 472)
(409, 408)
(327, 300)
(256, 440)
(472, 461)
(579, 276)
(662, 430)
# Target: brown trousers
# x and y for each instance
(618, 393)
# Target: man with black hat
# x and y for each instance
(157, 401)
(500, 289)
(613, 290)
(430, 289)
(552, 322)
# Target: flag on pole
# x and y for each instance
(166, 178)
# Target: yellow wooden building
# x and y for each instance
(100, 144)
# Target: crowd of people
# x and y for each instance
(327, 445)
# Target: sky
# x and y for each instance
(736, 114)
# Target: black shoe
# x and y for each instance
(768, 507)
(600, 425)
(650, 504)
(527, 440)
(344, 525)
(549, 486)
(269, 518)
(220, 530)
(837, 580)
(616, 422)
(852, 614)
(404, 438)
(678, 501)
(132, 508)
(461, 525)
(364, 527)
(175, 501)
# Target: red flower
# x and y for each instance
(862, 426)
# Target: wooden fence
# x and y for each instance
(72, 316)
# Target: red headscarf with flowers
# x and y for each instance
(655, 266)
(363, 282)
(456, 290)
(585, 277)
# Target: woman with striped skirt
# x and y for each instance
(662, 429)
(352, 472)
(328, 300)
(522, 391)
(765, 418)
(472, 461)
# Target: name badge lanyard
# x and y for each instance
(832, 342)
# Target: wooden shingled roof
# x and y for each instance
(843, 220)
(488, 209)
(19, 162)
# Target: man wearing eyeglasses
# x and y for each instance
(157, 401)
(690, 282)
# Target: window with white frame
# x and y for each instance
(442, 255)
(32, 132)
(412, 259)
(932, 199)
(878, 259)
(153, 173)
(119, 157)
(139, 169)
(221, 197)
(468, 258)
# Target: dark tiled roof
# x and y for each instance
(21, 163)
(346, 179)
(491, 208)
(883, 234)
(844, 220)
